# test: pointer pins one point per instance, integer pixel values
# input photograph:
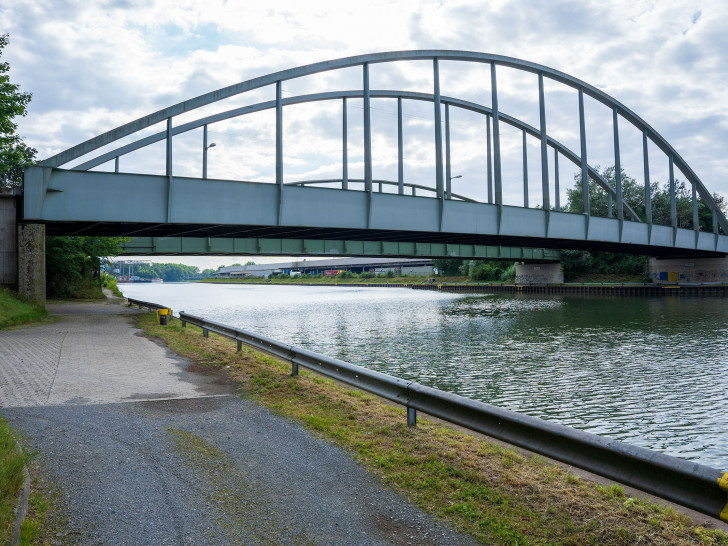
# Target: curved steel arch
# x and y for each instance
(337, 95)
(435, 55)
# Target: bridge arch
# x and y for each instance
(441, 190)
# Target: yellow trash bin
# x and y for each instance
(162, 315)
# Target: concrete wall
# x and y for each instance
(539, 274)
(689, 270)
(8, 239)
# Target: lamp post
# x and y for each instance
(205, 147)
(449, 184)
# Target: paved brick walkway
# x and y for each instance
(91, 354)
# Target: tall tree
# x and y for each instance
(72, 263)
(633, 194)
(15, 156)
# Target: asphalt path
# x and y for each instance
(174, 457)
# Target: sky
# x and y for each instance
(94, 65)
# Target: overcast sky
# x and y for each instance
(92, 66)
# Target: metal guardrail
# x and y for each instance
(145, 304)
(689, 484)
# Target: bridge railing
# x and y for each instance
(689, 484)
(442, 174)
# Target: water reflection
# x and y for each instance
(650, 371)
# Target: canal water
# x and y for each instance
(649, 371)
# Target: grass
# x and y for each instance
(12, 462)
(109, 282)
(491, 492)
(15, 311)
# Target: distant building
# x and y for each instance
(331, 266)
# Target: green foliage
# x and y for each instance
(167, 272)
(576, 263)
(15, 156)
(250, 262)
(345, 274)
(12, 462)
(633, 195)
(579, 262)
(486, 271)
(448, 267)
(72, 265)
(14, 311)
(107, 281)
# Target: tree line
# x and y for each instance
(166, 271)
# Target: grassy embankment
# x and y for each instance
(489, 491)
(107, 281)
(12, 462)
(14, 311)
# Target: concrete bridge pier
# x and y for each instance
(31, 262)
(688, 270)
(543, 273)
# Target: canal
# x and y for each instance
(649, 371)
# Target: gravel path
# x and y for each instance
(206, 470)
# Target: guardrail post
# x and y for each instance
(294, 369)
(184, 324)
(205, 332)
(240, 345)
(411, 417)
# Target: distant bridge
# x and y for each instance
(81, 201)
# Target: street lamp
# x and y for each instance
(205, 147)
(448, 185)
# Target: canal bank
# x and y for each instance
(616, 289)
(498, 494)
(167, 456)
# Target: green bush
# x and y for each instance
(107, 281)
(578, 262)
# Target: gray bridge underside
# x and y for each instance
(117, 204)
(216, 246)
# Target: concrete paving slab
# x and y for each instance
(92, 354)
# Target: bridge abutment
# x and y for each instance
(688, 270)
(8, 238)
(31, 262)
(544, 273)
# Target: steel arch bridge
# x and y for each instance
(80, 201)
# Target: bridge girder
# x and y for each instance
(84, 203)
